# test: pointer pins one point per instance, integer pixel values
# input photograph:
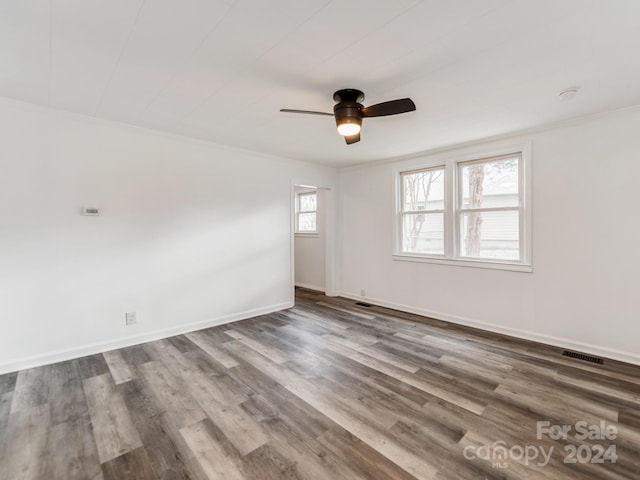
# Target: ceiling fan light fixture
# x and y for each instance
(349, 126)
(349, 111)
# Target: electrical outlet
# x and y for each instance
(363, 293)
(130, 318)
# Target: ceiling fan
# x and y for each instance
(349, 112)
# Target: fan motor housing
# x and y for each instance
(347, 112)
(348, 108)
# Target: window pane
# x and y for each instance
(307, 222)
(423, 233)
(308, 202)
(490, 184)
(493, 235)
(423, 190)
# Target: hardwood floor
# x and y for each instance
(325, 390)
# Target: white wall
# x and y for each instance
(310, 250)
(191, 234)
(583, 292)
(182, 244)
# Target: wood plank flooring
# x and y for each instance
(325, 390)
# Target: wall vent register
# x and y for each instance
(91, 211)
(582, 356)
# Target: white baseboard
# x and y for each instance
(310, 287)
(566, 343)
(99, 347)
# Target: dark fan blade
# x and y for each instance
(310, 112)
(393, 107)
(352, 139)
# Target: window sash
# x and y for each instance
(428, 236)
(460, 248)
(309, 194)
(403, 197)
(494, 159)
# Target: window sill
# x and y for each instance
(492, 265)
(307, 234)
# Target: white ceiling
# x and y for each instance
(221, 69)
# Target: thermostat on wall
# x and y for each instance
(90, 211)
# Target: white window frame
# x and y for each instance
(308, 233)
(452, 207)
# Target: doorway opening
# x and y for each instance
(312, 239)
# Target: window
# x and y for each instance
(472, 211)
(306, 212)
(489, 208)
(423, 211)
